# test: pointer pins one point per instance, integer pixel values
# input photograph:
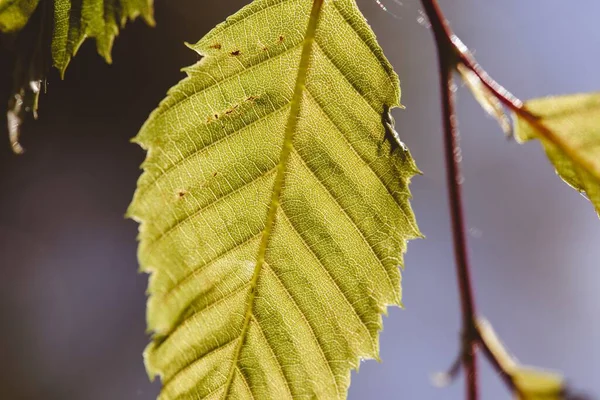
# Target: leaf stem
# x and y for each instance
(491, 347)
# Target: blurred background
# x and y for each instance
(72, 303)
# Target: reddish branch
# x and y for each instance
(451, 52)
(447, 62)
(455, 52)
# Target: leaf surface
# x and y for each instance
(76, 20)
(537, 384)
(14, 14)
(274, 207)
(569, 129)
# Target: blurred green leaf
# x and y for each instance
(77, 20)
(274, 207)
(537, 384)
(486, 99)
(531, 383)
(14, 14)
(569, 129)
(31, 63)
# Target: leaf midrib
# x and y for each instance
(286, 150)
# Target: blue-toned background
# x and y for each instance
(72, 303)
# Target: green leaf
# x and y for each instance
(274, 207)
(530, 383)
(31, 60)
(537, 384)
(76, 20)
(14, 14)
(569, 129)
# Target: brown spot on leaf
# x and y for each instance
(232, 109)
(236, 53)
(239, 107)
(181, 193)
(281, 39)
(216, 46)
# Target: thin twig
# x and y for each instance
(442, 379)
(504, 96)
(453, 53)
(458, 53)
(447, 63)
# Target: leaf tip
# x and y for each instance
(62, 68)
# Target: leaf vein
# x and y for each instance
(360, 156)
(326, 270)
(198, 269)
(185, 369)
(208, 307)
(244, 381)
(309, 325)
(286, 150)
(152, 246)
(353, 85)
(176, 164)
(350, 219)
(272, 350)
(218, 82)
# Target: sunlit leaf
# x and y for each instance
(537, 384)
(274, 207)
(14, 14)
(569, 129)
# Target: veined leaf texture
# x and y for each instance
(274, 207)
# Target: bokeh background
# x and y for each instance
(72, 303)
